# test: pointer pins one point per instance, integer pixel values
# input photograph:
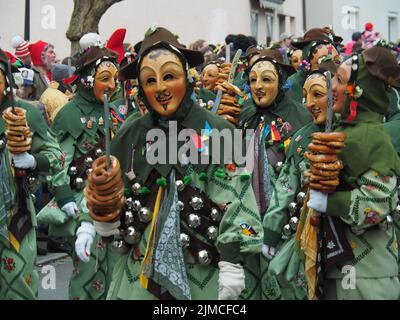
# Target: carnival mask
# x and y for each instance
(264, 83)
(105, 80)
(321, 51)
(253, 59)
(315, 93)
(163, 80)
(296, 59)
(210, 76)
(339, 86)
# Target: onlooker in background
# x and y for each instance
(369, 36)
(354, 44)
(43, 57)
(198, 45)
(208, 54)
(285, 46)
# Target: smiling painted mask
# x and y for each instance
(315, 93)
(163, 80)
(209, 76)
(105, 80)
(264, 83)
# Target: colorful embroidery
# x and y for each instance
(98, 285)
(372, 216)
(9, 264)
(248, 230)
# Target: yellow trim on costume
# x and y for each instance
(14, 242)
(148, 256)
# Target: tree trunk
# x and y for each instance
(85, 18)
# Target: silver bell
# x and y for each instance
(136, 205)
(2, 144)
(301, 196)
(185, 240)
(180, 206)
(180, 186)
(79, 183)
(135, 188)
(279, 166)
(132, 236)
(89, 171)
(196, 203)
(293, 223)
(119, 246)
(194, 220)
(98, 153)
(128, 202)
(204, 257)
(287, 230)
(31, 180)
(88, 162)
(215, 214)
(145, 215)
(212, 233)
(33, 197)
(386, 224)
(129, 217)
(397, 210)
(292, 208)
(73, 171)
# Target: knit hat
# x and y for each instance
(37, 50)
(61, 71)
(369, 26)
(89, 40)
(21, 47)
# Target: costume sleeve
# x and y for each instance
(47, 153)
(285, 190)
(60, 182)
(240, 230)
(369, 204)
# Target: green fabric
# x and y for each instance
(19, 279)
(287, 109)
(297, 81)
(207, 95)
(35, 120)
(392, 124)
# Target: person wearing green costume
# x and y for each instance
(190, 230)
(281, 220)
(361, 259)
(275, 118)
(19, 279)
(80, 129)
(317, 44)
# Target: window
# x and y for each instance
(351, 19)
(393, 26)
(254, 24)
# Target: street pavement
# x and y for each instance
(54, 272)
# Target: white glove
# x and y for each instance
(318, 201)
(24, 161)
(84, 240)
(268, 252)
(70, 209)
(107, 229)
(231, 280)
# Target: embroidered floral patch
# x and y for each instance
(98, 285)
(9, 264)
(372, 216)
(248, 230)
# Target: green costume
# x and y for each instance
(366, 196)
(79, 127)
(18, 276)
(286, 117)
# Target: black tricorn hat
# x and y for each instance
(381, 63)
(155, 36)
(275, 56)
(92, 55)
(317, 34)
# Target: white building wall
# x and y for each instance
(376, 12)
(192, 20)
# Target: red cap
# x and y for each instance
(116, 43)
(369, 26)
(11, 57)
(36, 50)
